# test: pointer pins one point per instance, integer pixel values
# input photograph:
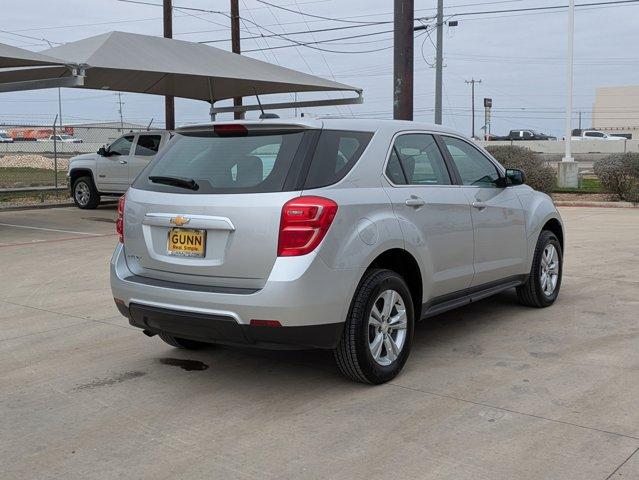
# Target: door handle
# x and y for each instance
(415, 201)
(123, 162)
(479, 205)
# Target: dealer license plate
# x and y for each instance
(186, 242)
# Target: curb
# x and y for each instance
(50, 205)
(36, 207)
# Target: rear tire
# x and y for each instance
(542, 287)
(378, 332)
(85, 195)
(182, 342)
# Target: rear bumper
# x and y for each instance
(221, 329)
(309, 299)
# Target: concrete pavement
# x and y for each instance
(491, 391)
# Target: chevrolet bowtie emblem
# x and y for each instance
(179, 220)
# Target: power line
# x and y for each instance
(299, 32)
(309, 14)
(549, 7)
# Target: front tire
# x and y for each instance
(378, 332)
(85, 195)
(182, 343)
(542, 287)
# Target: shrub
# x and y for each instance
(538, 175)
(619, 175)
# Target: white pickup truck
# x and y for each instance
(112, 169)
(64, 138)
(594, 135)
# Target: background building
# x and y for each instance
(616, 110)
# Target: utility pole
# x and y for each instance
(580, 120)
(235, 47)
(169, 101)
(439, 62)
(120, 110)
(403, 60)
(568, 169)
(472, 89)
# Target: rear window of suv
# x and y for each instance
(258, 161)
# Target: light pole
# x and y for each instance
(439, 62)
(568, 169)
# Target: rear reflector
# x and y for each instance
(230, 130)
(265, 323)
(119, 222)
(303, 225)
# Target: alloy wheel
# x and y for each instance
(549, 272)
(387, 326)
(82, 193)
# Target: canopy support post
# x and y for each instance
(212, 101)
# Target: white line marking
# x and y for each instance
(49, 229)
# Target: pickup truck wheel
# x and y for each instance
(542, 287)
(182, 342)
(378, 332)
(85, 195)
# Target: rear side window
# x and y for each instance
(336, 153)
(253, 163)
(148, 145)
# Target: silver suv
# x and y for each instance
(330, 233)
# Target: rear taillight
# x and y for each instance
(119, 222)
(303, 225)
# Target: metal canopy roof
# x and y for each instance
(147, 64)
(11, 56)
(19, 64)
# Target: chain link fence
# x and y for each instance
(36, 157)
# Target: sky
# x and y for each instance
(519, 57)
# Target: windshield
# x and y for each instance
(3, 135)
(65, 137)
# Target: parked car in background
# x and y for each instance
(4, 138)
(491, 137)
(64, 138)
(113, 168)
(327, 233)
(594, 135)
(528, 135)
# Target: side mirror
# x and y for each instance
(515, 177)
(102, 152)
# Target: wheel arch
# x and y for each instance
(554, 225)
(80, 172)
(405, 264)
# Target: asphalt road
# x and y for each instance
(491, 391)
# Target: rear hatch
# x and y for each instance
(207, 210)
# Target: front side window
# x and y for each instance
(473, 167)
(148, 145)
(416, 160)
(122, 146)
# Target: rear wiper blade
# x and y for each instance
(175, 181)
